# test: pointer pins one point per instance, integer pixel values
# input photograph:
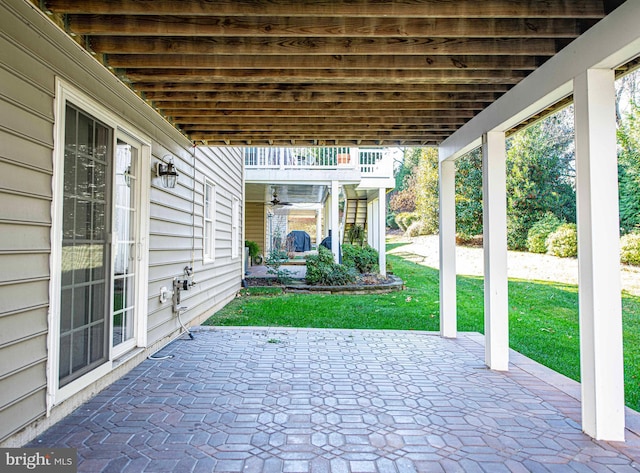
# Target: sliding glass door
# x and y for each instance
(101, 250)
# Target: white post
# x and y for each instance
(370, 228)
(494, 210)
(382, 230)
(447, 196)
(318, 227)
(601, 360)
(335, 220)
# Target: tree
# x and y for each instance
(469, 194)
(540, 176)
(629, 170)
(427, 204)
(404, 199)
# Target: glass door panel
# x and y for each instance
(85, 245)
(124, 245)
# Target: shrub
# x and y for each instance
(363, 259)
(273, 262)
(421, 227)
(538, 233)
(391, 221)
(564, 241)
(254, 249)
(321, 269)
(464, 239)
(356, 235)
(630, 249)
(405, 219)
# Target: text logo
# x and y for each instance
(50, 460)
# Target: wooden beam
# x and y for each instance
(324, 120)
(360, 8)
(341, 27)
(178, 61)
(321, 87)
(339, 114)
(327, 133)
(338, 129)
(208, 140)
(361, 76)
(168, 105)
(316, 97)
(330, 137)
(319, 46)
(287, 137)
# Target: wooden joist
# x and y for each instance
(334, 27)
(332, 76)
(319, 97)
(308, 46)
(353, 8)
(363, 72)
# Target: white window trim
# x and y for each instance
(65, 92)
(235, 228)
(209, 253)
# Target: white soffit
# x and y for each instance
(610, 43)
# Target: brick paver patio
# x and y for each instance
(305, 400)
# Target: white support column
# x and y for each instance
(494, 210)
(326, 216)
(318, 227)
(382, 230)
(335, 220)
(601, 360)
(370, 229)
(447, 195)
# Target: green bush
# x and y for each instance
(322, 270)
(273, 262)
(537, 236)
(254, 249)
(391, 221)
(630, 249)
(405, 219)
(564, 241)
(422, 227)
(363, 259)
(356, 235)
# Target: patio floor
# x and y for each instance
(311, 400)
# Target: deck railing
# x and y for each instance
(371, 162)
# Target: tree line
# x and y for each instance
(540, 180)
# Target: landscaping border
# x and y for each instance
(394, 285)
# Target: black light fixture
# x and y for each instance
(167, 172)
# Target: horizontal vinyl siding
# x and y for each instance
(24, 411)
(176, 239)
(33, 53)
(25, 208)
(28, 380)
(26, 134)
(13, 296)
(254, 224)
(23, 324)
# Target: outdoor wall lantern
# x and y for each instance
(167, 172)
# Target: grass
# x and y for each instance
(543, 316)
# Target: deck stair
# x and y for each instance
(355, 214)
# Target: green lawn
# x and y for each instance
(543, 317)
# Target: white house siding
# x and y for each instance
(34, 53)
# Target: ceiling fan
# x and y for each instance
(275, 201)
